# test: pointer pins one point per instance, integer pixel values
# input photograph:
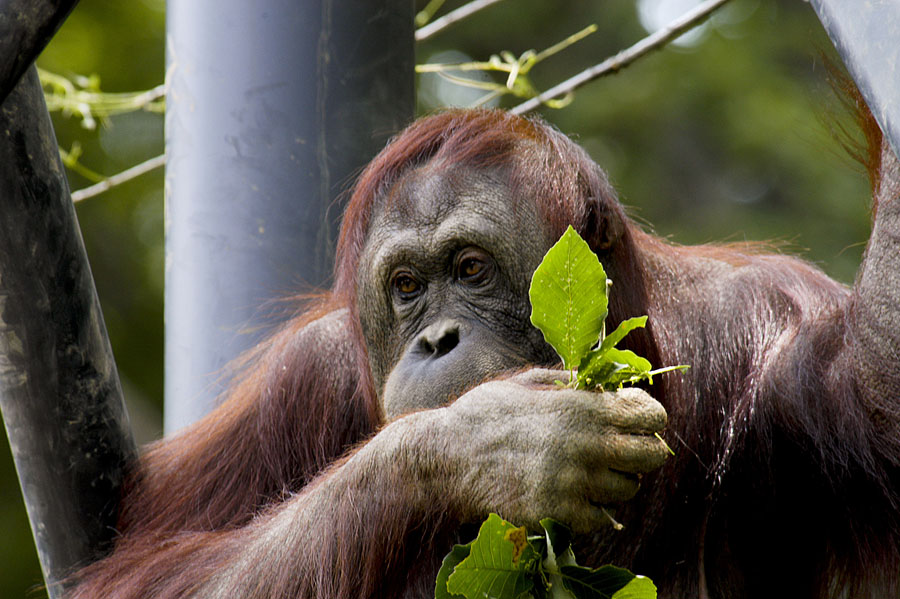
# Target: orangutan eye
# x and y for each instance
(405, 286)
(474, 267)
(470, 267)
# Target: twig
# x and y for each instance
(615, 523)
(83, 98)
(452, 17)
(119, 178)
(517, 69)
(424, 15)
(624, 58)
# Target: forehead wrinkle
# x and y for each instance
(433, 211)
(427, 193)
(427, 248)
(401, 242)
(459, 224)
(422, 195)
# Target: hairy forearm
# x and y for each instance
(360, 529)
(376, 523)
(874, 319)
(342, 536)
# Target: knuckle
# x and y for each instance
(637, 399)
(567, 479)
(648, 412)
(540, 376)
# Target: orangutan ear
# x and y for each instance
(606, 226)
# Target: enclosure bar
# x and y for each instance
(272, 109)
(59, 390)
(26, 27)
(867, 36)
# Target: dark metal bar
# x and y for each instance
(59, 389)
(26, 27)
(272, 108)
(867, 36)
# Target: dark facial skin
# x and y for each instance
(443, 286)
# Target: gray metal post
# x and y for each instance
(59, 389)
(867, 36)
(272, 108)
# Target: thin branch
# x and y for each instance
(569, 41)
(517, 70)
(82, 97)
(70, 160)
(624, 58)
(452, 17)
(426, 13)
(118, 179)
(151, 95)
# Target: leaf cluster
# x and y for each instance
(503, 562)
(570, 299)
(569, 303)
(81, 97)
(518, 83)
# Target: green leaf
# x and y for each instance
(500, 564)
(629, 359)
(639, 588)
(598, 372)
(568, 298)
(558, 536)
(602, 583)
(451, 560)
(625, 327)
(612, 368)
(557, 549)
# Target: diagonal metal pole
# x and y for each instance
(59, 390)
(867, 36)
(26, 27)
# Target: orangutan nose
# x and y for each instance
(439, 339)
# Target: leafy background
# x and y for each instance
(727, 137)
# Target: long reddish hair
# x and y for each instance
(569, 187)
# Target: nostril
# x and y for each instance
(439, 339)
(447, 342)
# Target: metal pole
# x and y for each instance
(867, 36)
(272, 108)
(59, 390)
(25, 28)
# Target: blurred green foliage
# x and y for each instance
(729, 139)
